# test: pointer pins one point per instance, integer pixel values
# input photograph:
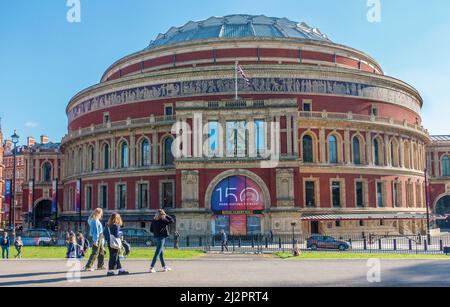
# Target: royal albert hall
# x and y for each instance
(317, 135)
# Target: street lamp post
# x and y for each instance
(12, 211)
(427, 200)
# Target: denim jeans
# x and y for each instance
(5, 250)
(159, 252)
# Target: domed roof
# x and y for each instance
(238, 26)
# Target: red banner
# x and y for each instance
(238, 225)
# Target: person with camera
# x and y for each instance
(159, 228)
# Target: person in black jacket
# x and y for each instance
(114, 224)
(159, 228)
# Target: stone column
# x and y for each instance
(322, 145)
(222, 137)
(402, 152)
(347, 147)
(133, 149)
(251, 137)
(295, 138)
(112, 149)
(155, 145)
(386, 151)
(289, 134)
(369, 160)
(97, 155)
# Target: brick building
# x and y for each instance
(438, 165)
(8, 161)
(318, 135)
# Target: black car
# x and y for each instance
(138, 237)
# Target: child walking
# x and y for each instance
(18, 244)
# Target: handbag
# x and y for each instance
(114, 242)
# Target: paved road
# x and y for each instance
(236, 271)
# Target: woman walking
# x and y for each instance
(113, 238)
(98, 241)
(160, 230)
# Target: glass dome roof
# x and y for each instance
(238, 26)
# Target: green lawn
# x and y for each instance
(338, 255)
(136, 253)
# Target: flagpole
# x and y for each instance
(236, 78)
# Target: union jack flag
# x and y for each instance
(242, 73)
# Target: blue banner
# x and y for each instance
(8, 186)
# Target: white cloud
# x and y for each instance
(31, 124)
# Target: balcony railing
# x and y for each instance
(152, 120)
(362, 118)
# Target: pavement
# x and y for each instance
(233, 271)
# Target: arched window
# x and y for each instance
(332, 149)
(123, 155)
(167, 151)
(47, 172)
(376, 152)
(446, 166)
(308, 156)
(356, 151)
(106, 157)
(145, 158)
(91, 154)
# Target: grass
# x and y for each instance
(338, 255)
(136, 253)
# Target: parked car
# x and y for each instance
(38, 237)
(138, 237)
(325, 242)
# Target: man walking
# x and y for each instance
(5, 243)
(224, 239)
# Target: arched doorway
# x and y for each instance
(43, 215)
(238, 200)
(443, 209)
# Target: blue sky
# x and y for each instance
(45, 60)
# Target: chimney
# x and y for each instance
(44, 139)
(31, 141)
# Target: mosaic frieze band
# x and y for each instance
(256, 85)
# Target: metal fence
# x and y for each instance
(357, 244)
(402, 244)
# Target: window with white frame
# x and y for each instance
(121, 195)
(143, 196)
